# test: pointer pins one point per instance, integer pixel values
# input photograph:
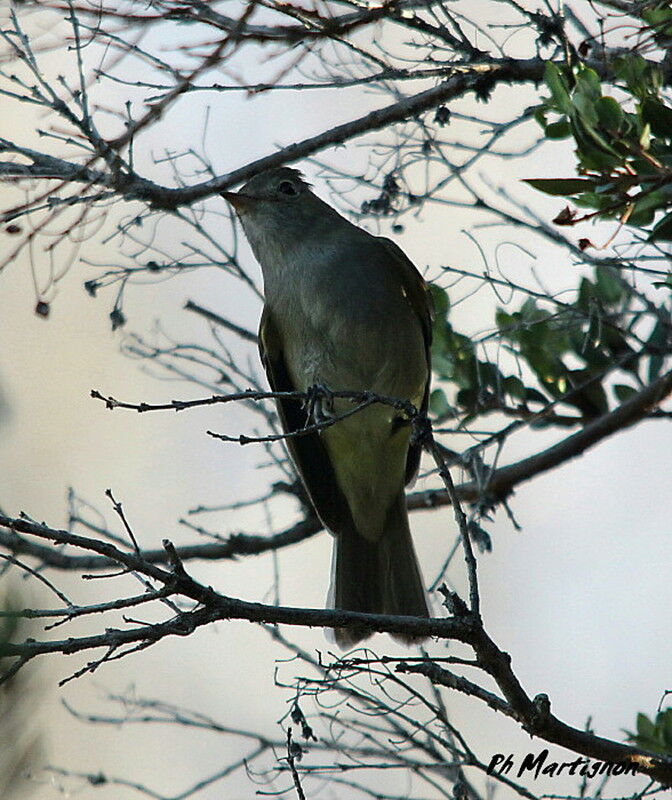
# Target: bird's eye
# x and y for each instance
(287, 187)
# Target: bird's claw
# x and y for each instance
(319, 404)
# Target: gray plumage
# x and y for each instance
(349, 311)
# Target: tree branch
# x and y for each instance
(534, 714)
(500, 485)
(505, 479)
(236, 545)
(222, 606)
(464, 627)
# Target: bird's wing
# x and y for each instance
(308, 451)
(417, 291)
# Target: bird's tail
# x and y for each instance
(381, 577)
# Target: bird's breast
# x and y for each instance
(345, 325)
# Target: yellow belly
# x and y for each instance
(369, 461)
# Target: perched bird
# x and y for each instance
(344, 310)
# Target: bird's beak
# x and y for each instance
(239, 201)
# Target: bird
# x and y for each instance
(345, 310)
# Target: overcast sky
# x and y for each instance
(580, 598)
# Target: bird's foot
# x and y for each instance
(421, 430)
(319, 404)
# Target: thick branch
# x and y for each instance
(503, 480)
(470, 78)
(237, 545)
(534, 714)
(478, 77)
(467, 79)
(465, 627)
(219, 606)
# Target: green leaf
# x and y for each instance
(588, 83)
(660, 19)
(645, 137)
(592, 149)
(591, 400)
(608, 288)
(489, 375)
(644, 168)
(442, 365)
(439, 405)
(546, 368)
(558, 130)
(666, 725)
(584, 106)
(586, 135)
(644, 210)
(662, 231)
(453, 356)
(514, 387)
(640, 219)
(657, 115)
(467, 398)
(587, 293)
(657, 736)
(645, 728)
(616, 344)
(531, 313)
(658, 343)
(564, 187)
(593, 200)
(609, 114)
(440, 300)
(556, 82)
(540, 112)
(534, 396)
(632, 69)
(663, 152)
(623, 391)
(589, 350)
(506, 323)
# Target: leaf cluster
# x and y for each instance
(623, 146)
(654, 735)
(563, 354)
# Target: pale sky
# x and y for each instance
(580, 598)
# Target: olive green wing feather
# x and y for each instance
(308, 451)
(417, 291)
